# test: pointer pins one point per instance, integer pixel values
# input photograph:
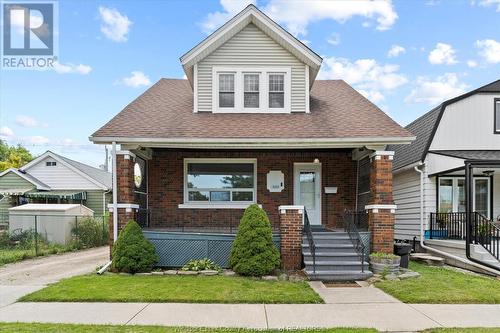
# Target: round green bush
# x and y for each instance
(253, 252)
(132, 252)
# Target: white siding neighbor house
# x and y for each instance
(460, 132)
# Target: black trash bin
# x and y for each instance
(403, 250)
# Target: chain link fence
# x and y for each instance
(25, 236)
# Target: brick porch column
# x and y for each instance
(126, 205)
(291, 223)
(381, 206)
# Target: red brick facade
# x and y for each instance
(291, 238)
(381, 220)
(166, 186)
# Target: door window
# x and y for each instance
(307, 180)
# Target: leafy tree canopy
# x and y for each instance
(13, 156)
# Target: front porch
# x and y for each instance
(190, 202)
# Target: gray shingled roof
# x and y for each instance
(470, 154)
(422, 128)
(425, 126)
(98, 175)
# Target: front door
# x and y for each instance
(307, 189)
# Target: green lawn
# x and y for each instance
(441, 285)
(60, 328)
(10, 255)
(185, 289)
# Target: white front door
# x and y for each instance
(307, 189)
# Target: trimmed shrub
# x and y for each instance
(253, 252)
(132, 252)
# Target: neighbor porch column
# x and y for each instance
(291, 223)
(125, 196)
(381, 207)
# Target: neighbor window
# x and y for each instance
(497, 115)
(50, 163)
(226, 90)
(220, 181)
(452, 195)
(251, 92)
(277, 90)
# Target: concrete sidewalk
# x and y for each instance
(382, 316)
(345, 307)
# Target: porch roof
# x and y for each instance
(470, 154)
(164, 113)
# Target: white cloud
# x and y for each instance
(216, 19)
(114, 25)
(368, 76)
(396, 51)
(37, 140)
(434, 91)
(472, 63)
(6, 132)
(26, 121)
(487, 3)
(443, 54)
(297, 15)
(70, 68)
(334, 39)
(489, 49)
(136, 79)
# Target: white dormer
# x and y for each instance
(251, 65)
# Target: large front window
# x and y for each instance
(220, 181)
(452, 195)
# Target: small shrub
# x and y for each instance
(382, 255)
(201, 265)
(90, 232)
(253, 252)
(132, 252)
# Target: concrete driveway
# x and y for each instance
(21, 278)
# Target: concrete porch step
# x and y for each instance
(335, 256)
(329, 247)
(335, 266)
(354, 275)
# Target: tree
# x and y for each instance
(13, 156)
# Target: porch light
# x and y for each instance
(488, 172)
(316, 161)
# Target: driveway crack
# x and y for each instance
(132, 318)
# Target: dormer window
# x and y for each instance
(251, 94)
(277, 90)
(226, 90)
(251, 90)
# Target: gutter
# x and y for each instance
(442, 253)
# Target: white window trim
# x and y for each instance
(455, 192)
(222, 204)
(239, 87)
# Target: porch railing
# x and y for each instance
(353, 222)
(485, 233)
(447, 225)
(220, 221)
(310, 239)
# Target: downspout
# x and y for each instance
(115, 194)
(104, 202)
(422, 232)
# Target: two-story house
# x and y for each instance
(451, 172)
(251, 124)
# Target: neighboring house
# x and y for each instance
(52, 178)
(461, 131)
(251, 124)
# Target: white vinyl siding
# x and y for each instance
(251, 48)
(60, 176)
(407, 198)
(468, 125)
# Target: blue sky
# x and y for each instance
(405, 56)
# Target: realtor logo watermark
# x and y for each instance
(29, 31)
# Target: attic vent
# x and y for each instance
(50, 163)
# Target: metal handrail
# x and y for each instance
(310, 239)
(447, 225)
(351, 221)
(486, 234)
